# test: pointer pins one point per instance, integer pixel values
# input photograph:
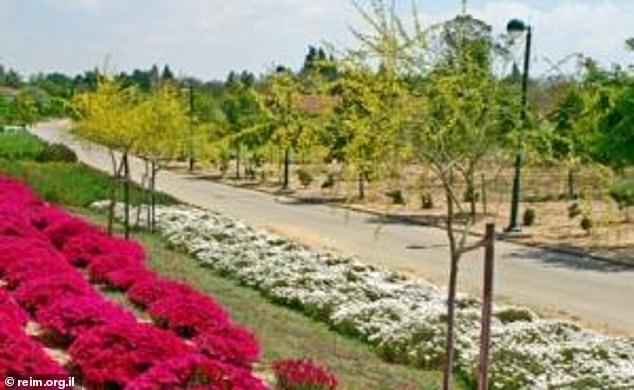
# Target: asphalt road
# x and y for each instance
(595, 293)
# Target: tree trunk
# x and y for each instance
(484, 195)
(238, 147)
(287, 167)
(471, 188)
(572, 190)
(153, 198)
(126, 195)
(361, 186)
(451, 292)
(116, 171)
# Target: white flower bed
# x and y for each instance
(403, 319)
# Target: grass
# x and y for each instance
(19, 146)
(72, 184)
(283, 333)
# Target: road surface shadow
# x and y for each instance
(559, 258)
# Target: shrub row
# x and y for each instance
(108, 348)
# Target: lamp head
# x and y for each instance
(516, 28)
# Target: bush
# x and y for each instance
(396, 197)
(303, 375)
(471, 195)
(20, 355)
(586, 224)
(113, 355)
(230, 344)
(329, 182)
(195, 372)
(36, 294)
(529, 217)
(305, 178)
(426, 201)
(188, 316)
(623, 193)
(148, 291)
(514, 314)
(73, 316)
(574, 210)
(56, 153)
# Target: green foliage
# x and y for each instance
(426, 201)
(512, 314)
(622, 192)
(56, 153)
(396, 197)
(574, 210)
(19, 146)
(305, 178)
(586, 224)
(52, 181)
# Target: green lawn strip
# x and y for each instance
(71, 184)
(283, 333)
(19, 146)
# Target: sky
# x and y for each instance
(208, 38)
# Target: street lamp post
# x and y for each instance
(516, 28)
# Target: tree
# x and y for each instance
(572, 137)
(164, 127)
(167, 74)
(23, 109)
(456, 113)
(243, 113)
(287, 120)
(110, 116)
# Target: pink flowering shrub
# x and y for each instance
(13, 224)
(20, 355)
(148, 291)
(42, 216)
(60, 231)
(116, 354)
(42, 292)
(303, 375)
(187, 316)
(82, 248)
(10, 312)
(73, 316)
(31, 268)
(102, 265)
(195, 372)
(230, 343)
(14, 249)
(123, 279)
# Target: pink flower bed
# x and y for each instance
(10, 313)
(151, 290)
(73, 316)
(20, 355)
(195, 372)
(303, 375)
(188, 316)
(40, 244)
(118, 353)
(230, 343)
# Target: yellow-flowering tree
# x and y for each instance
(164, 127)
(109, 115)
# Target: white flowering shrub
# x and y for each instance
(403, 319)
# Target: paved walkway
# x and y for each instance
(597, 293)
